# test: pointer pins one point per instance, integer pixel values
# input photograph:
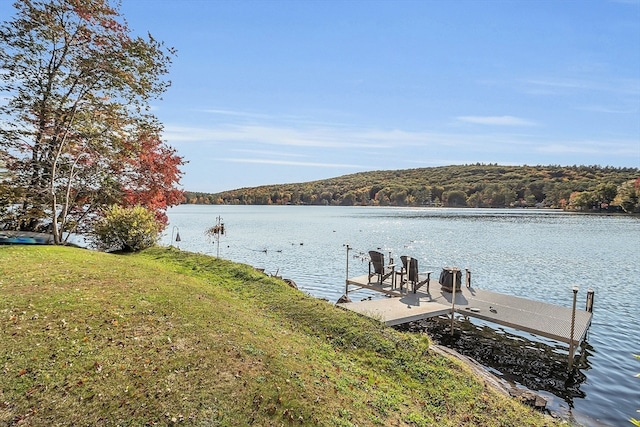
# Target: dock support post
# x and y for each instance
(453, 300)
(589, 307)
(573, 322)
(175, 227)
(346, 280)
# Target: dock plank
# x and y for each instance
(539, 318)
(398, 310)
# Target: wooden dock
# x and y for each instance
(539, 318)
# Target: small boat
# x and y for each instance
(24, 238)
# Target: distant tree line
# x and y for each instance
(480, 185)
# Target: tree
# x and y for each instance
(604, 193)
(349, 198)
(77, 131)
(581, 200)
(474, 200)
(150, 177)
(628, 196)
(455, 198)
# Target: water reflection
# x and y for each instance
(536, 364)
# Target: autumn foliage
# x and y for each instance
(77, 135)
(154, 171)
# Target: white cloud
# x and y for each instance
(321, 137)
(293, 163)
(234, 113)
(562, 83)
(618, 148)
(369, 148)
(267, 153)
(496, 120)
(620, 86)
(609, 110)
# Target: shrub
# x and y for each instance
(126, 229)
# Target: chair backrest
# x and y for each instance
(412, 269)
(377, 259)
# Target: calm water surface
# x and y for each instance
(539, 255)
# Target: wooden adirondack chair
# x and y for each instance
(410, 270)
(377, 268)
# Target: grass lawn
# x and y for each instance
(165, 337)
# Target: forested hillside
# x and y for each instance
(479, 185)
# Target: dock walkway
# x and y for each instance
(539, 318)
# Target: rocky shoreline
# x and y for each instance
(528, 397)
(531, 372)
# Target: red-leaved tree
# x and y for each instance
(152, 176)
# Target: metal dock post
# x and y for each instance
(346, 281)
(573, 323)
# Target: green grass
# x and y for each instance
(166, 337)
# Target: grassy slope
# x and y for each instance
(166, 337)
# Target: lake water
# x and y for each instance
(537, 254)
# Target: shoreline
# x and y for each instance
(528, 397)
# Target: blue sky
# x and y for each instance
(267, 92)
